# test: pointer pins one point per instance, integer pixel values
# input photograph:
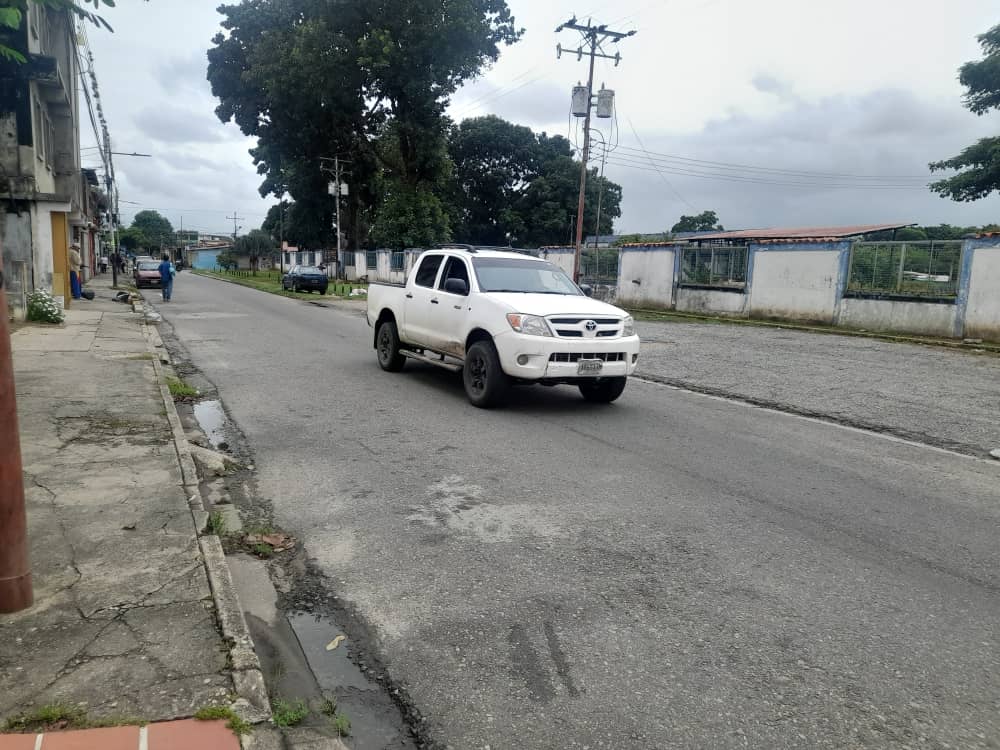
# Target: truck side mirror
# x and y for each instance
(456, 286)
(587, 289)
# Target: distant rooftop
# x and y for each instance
(801, 233)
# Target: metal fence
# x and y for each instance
(719, 267)
(905, 269)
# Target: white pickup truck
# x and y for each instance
(501, 318)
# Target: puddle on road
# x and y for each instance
(375, 719)
(212, 420)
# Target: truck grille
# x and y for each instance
(577, 356)
(575, 327)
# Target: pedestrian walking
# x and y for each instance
(167, 273)
(104, 264)
(75, 261)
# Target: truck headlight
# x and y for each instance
(628, 326)
(532, 325)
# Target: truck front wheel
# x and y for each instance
(603, 390)
(486, 383)
(387, 346)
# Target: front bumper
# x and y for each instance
(555, 358)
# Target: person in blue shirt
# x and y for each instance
(166, 277)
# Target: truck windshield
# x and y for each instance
(523, 276)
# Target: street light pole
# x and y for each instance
(15, 569)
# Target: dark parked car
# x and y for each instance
(305, 279)
(147, 273)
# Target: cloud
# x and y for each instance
(889, 135)
(184, 73)
(168, 124)
(768, 84)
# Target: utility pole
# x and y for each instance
(15, 569)
(235, 218)
(339, 188)
(594, 37)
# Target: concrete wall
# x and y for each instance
(982, 306)
(204, 259)
(796, 281)
(15, 243)
(646, 276)
(923, 318)
(711, 302)
(560, 256)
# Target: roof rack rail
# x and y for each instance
(455, 246)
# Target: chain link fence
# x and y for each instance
(905, 269)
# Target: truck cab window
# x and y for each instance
(456, 269)
(428, 270)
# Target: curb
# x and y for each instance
(252, 704)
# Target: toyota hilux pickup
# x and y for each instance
(502, 318)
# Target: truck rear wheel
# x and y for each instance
(603, 390)
(387, 346)
(486, 384)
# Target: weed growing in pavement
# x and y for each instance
(145, 356)
(262, 550)
(42, 308)
(216, 523)
(342, 724)
(329, 707)
(57, 716)
(180, 389)
(288, 713)
(234, 722)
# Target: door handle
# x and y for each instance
(409, 296)
(434, 301)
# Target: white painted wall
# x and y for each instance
(795, 284)
(711, 302)
(562, 257)
(41, 235)
(982, 312)
(925, 318)
(653, 269)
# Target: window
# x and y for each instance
(905, 270)
(522, 276)
(456, 269)
(722, 267)
(398, 261)
(428, 270)
(371, 260)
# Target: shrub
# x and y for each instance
(43, 308)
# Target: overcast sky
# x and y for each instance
(772, 112)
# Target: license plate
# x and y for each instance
(589, 366)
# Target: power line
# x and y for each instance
(670, 185)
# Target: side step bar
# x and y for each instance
(437, 361)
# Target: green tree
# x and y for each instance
(13, 12)
(703, 222)
(132, 239)
(227, 260)
(980, 162)
(378, 77)
(155, 228)
(255, 245)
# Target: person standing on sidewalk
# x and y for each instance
(166, 277)
(75, 261)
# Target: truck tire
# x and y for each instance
(603, 390)
(486, 384)
(387, 347)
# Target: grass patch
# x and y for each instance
(233, 721)
(289, 713)
(270, 281)
(342, 725)
(262, 550)
(179, 389)
(58, 716)
(329, 708)
(143, 357)
(216, 523)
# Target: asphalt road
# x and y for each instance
(671, 571)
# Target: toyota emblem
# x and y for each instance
(590, 325)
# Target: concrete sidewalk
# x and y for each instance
(124, 624)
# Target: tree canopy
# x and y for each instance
(980, 162)
(256, 244)
(154, 227)
(369, 81)
(703, 222)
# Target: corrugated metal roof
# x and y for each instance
(802, 232)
